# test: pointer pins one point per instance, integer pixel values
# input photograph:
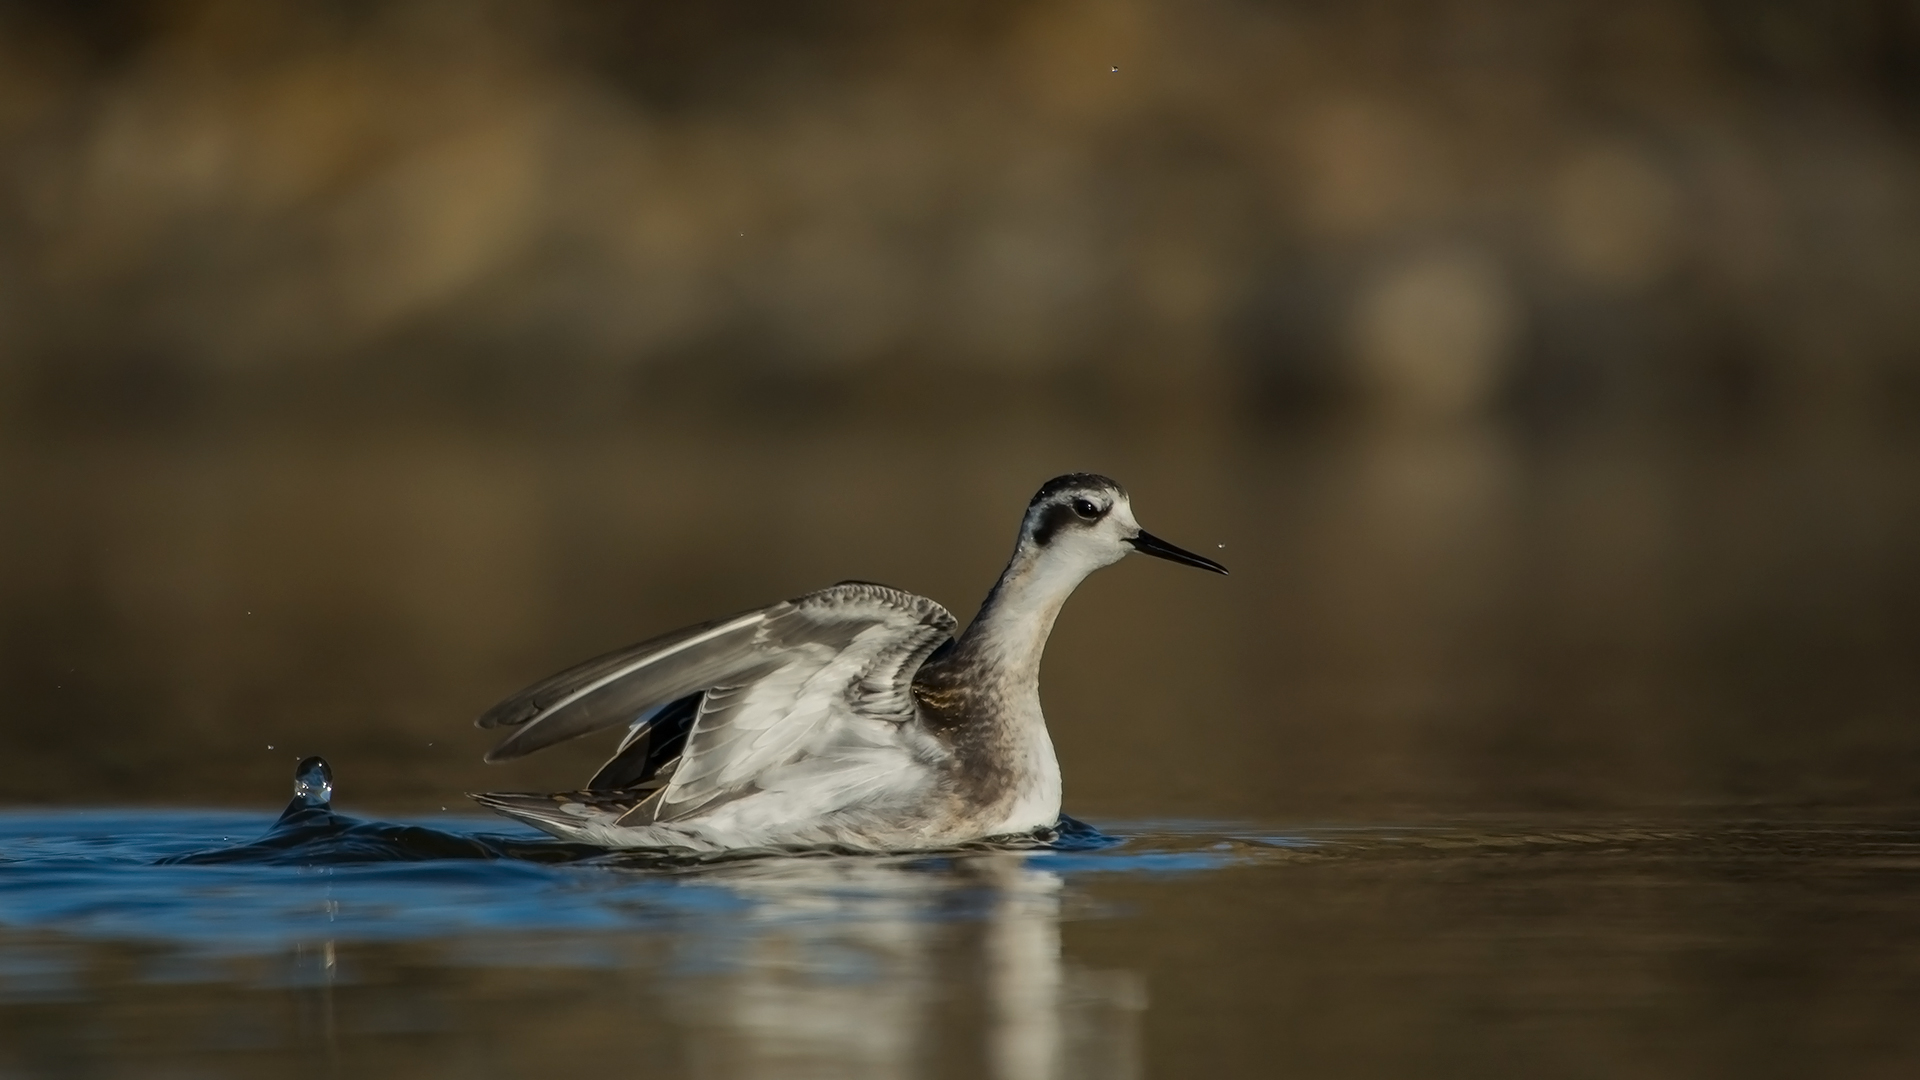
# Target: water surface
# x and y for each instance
(467, 947)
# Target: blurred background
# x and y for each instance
(1548, 375)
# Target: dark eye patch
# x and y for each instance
(1057, 516)
(1052, 520)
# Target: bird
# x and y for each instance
(851, 718)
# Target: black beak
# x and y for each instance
(1148, 544)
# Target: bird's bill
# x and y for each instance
(1148, 544)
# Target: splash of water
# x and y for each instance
(313, 783)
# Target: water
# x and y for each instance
(313, 782)
(236, 944)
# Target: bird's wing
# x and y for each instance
(836, 687)
(770, 675)
(610, 690)
(652, 745)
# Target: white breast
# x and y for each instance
(1036, 795)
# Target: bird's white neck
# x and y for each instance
(1000, 654)
(1003, 646)
(1008, 636)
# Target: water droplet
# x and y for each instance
(1116, 69)
(1222, 547)
(313, 781)
(269, 746)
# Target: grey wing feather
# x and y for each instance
(610, 690)
(836, 657)
(652, 744)
(894, 631)
(543, 695)
(569, 809)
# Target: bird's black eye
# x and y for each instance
(1086, 508)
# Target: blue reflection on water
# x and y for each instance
(829, 959)
(225, 883)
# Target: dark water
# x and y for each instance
(466, 947)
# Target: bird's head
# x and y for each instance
(1084, 521)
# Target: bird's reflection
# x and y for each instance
(883, 968)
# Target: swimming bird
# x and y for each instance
(848, 718)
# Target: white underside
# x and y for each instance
(885, 798)
(1036, 800)
(901, 819)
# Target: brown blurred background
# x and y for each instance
(1549, 372)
